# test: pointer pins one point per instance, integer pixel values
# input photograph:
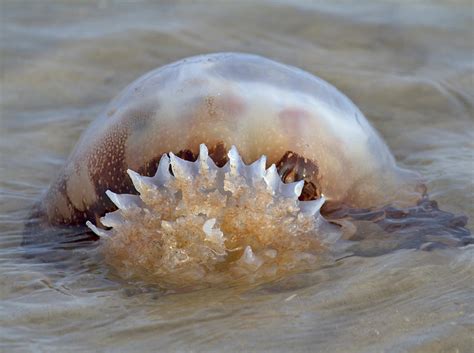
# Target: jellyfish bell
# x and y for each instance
(304, 125)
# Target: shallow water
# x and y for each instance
(408, 67)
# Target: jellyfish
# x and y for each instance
(225, 165)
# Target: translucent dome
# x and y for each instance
(298, 121)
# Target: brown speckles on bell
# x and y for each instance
(107, 169)
(293, 167)
(211, 106)
(81, 189)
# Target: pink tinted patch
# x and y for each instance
(294, 119)
(231, 104)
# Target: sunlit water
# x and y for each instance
(408, 67)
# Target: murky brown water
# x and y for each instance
(408, 67)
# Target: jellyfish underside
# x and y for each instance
(203, 222)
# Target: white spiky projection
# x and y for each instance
(202, 224)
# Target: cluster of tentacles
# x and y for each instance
(194, 223)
